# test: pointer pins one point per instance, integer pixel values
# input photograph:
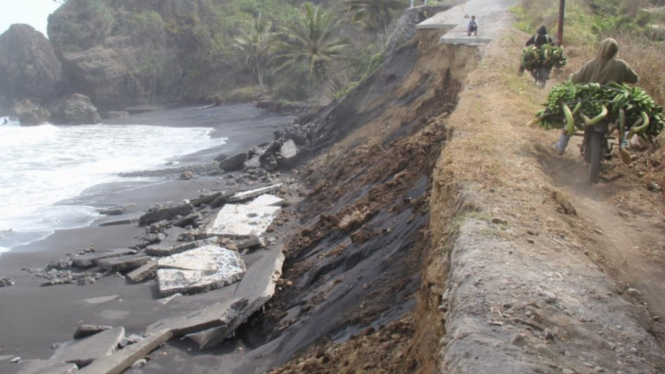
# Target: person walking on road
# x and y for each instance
(472, 28)
(603, 69)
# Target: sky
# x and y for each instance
(33, 12)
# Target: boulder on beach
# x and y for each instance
(29, 113)
(6, 282)
(74, 110)
(232, 163)
(29, 67)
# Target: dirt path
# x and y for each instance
(530, 269)
(629, 247)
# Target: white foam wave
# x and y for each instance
(41, 165)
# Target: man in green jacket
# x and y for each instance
(603, 69)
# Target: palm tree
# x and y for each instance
(255, 44)
(311, 38)
(374, 15)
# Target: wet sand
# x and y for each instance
(32, 318)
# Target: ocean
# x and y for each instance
(42, 167)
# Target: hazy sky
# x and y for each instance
(33, 12)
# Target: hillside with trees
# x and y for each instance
(131, 54)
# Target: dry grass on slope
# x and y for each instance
(494, 150)
(497, 171)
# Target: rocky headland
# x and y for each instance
(108, 57)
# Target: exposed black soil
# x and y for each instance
(352, 272)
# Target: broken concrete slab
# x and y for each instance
(168, 250)
(119, 222)
(221, 200)
(216, 315)
(252, 163)
(146, 271)
(124, 358)
(115, 211)
(83, 352)
(123, 263)
(490, 14)
(288, 149)
(85, 330)
(47, 367)
(165, 214)
(132, 339)
(258, 286)
(266, 200)
(205, 199)
(209, 257)
(103, 299)
(188, 220)
(168, 299)
(256, 242)
(246, 195)
(199, 270)
(239, 220)
(89, 260)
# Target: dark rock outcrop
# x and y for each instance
(233, 163)
(405, 26)
(5, 106)
(29, 113)
(74, 110)
(136, 53)
(161, 214)
(29, 68)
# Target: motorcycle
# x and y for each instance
(540, 74)
(596, 147)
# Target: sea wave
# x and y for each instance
(43, 165)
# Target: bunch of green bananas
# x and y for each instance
(629, 108)
(553, 56)
(547, 55)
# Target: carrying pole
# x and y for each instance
(562, 8)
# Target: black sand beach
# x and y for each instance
(33, 318)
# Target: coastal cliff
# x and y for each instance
(29, 68)
(134, 54)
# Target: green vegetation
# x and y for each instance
(633, 23)
(374, 15)
(290, 51)
(255, 43)
(366, 66)
(312, 39)
(546, 55)
(629, 107)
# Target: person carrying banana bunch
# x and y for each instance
(541, 38)
(603, 69)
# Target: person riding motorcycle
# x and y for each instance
(541, 38)
(603, 69)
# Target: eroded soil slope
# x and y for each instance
(523, 268)
(352, 273)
